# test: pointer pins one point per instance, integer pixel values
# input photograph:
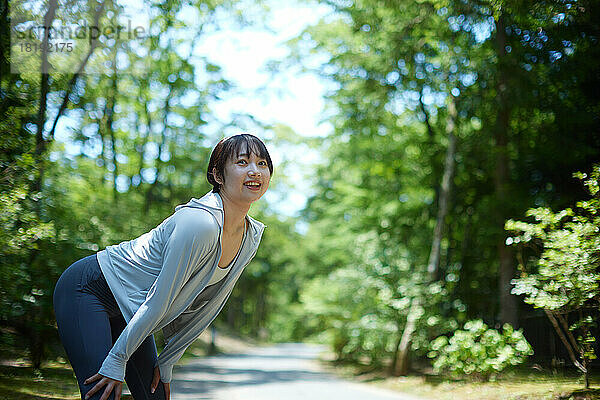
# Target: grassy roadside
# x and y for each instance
(518, 384)
(55, 381)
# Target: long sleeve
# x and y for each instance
(190, 236)
(191, 326)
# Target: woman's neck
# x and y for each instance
(235, 214)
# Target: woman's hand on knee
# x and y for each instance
(111, 384)
(156, 380)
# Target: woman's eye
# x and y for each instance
(241, 161)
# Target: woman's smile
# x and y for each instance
(253, 185)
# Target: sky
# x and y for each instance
(242, 54)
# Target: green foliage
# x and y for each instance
(585, 338)
(20, 234)
(560, 267)
(478, 351)
(344, 305)
(20, 227)
(566, 276)
(23, 295)
(360, 310)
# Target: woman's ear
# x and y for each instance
(216, 176)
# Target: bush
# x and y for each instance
(560, 269)
(478, 351)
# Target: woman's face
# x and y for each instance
(247, 178)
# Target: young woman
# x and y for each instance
(177, 278)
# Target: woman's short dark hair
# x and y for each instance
(233, 146)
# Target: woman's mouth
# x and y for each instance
(253, 185)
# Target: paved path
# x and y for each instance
(280, 372)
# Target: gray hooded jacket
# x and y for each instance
(160, 280)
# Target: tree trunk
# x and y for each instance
(392, 369)
(158, 163)
(109, 126)
(141, 148)
(572, 350)
(415, 310)
(212, 348)
(444, 202)
(40, 142)
(508, 302)
(402, 360)
(4, 44)
(260, 312)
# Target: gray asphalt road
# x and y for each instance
(284, 371)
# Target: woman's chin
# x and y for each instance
(246, 195)
(252, 197)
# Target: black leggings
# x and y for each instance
(89, 322)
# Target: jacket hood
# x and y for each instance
(210, 201)
(213, 203)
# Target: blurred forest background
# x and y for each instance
(451, 119)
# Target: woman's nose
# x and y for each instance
(253, 171)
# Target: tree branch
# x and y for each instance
(73, 81)
(565, 326)
(427, 119)
(560, 333)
